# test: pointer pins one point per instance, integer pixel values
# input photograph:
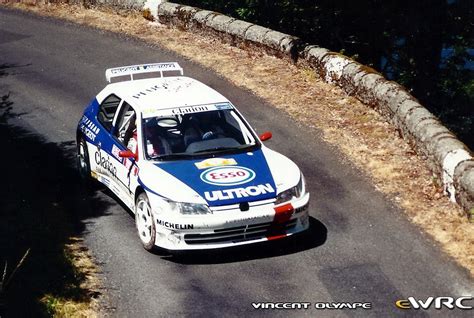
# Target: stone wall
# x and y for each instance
(449, 158)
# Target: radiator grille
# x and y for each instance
(240, 233)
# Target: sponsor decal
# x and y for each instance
(148, 90)
(465, 303)
(115, 152)
(258, 173)
(154, 112)
(175, 226)
(302, 209)
(251, 191)
(190, 109)
(223, 106)
(215, 162)
(228, 176)
(105, 181)
(89, 128)
(105, 163)
(245, 221)
(119, 70)
(160, 66)
(127, 69)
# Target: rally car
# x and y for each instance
(186, 163)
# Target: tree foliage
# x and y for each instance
(426, 45)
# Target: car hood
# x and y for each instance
(228, 179)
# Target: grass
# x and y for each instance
(74, 302)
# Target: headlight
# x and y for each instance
(301, 186)
(189, 208)
(295, 192)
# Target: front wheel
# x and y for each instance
(144, 222)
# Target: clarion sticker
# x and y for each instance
(228, 176)
(175, 225)
(154, 112)
(105, 163)
(190, 109)
(229, 194)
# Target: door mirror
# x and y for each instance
(128, 154)
(265, 136)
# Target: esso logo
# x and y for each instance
(227, 176)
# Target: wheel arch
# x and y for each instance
(79, 136)
(139, 190)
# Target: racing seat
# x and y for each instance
(156, 140)
(202, 126)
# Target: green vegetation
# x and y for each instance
(424, 45)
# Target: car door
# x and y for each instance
(102, 164)
(125, 137)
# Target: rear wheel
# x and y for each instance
(83, 163)
(144, 222)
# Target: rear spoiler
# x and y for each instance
(140, 69)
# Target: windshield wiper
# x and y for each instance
(173, 156)
(219, 149)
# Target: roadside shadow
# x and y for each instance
(42, 208)
(314, 237)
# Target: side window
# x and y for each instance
(107, 111)
(126, 125)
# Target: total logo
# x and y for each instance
(228, 176)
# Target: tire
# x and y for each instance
(83, 162)
(144, 222)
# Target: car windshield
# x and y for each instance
(196, 134)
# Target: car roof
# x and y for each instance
(163, 93)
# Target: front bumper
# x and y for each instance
(229, 226)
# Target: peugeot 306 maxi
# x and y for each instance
(187, 163)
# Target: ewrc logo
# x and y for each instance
(465, 303)
(228, 176)
(229, 194)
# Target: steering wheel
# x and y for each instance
(209, 135)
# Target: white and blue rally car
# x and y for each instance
(186, 162)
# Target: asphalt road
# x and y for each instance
(360, 248)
